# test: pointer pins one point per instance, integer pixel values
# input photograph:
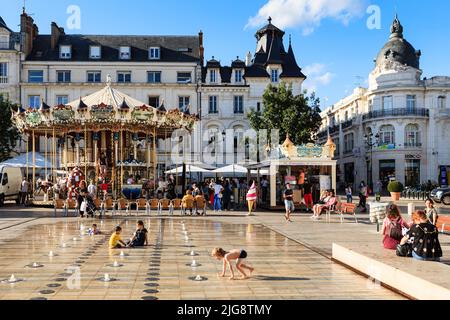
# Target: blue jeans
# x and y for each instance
(217, 203)
(417, 257)
(349, 198)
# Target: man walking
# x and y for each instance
(265, 188)
(24, 192)
(289, 202)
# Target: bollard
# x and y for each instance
(411, 209)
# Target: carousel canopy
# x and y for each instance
(105, 110)
(110, 97)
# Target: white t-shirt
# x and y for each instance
(24, 186)
(217, 188)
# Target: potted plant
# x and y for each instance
(395, 188)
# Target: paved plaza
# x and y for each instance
(284, 269)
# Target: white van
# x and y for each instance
(10, 184)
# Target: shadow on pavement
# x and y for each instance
(270, 278)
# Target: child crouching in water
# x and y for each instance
(228, 257)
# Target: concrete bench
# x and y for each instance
(415, 279)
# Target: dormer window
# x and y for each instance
(213, 76)
(65, 52)
(238, 76)
(95, 52)
(125, 53)
(154, 53)
(274, 76)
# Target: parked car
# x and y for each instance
(441, 195)
(10, 183)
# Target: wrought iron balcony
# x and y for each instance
(412, 145)
(347, 124)
(400, 112)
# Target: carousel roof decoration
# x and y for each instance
(187, 110)
(82, 106)
(44, 107)
(108, 110)
(124, 107)
(161, 108)
(288, 150)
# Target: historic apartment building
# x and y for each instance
(163, 71)
(395, 128)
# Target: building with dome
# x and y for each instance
(397, 127)
(165, 72)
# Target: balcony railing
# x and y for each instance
(3, 79)
(401, 112)
(412, 145)
(334, 129)
(347, 124)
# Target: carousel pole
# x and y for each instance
(121, 161)
(66, 152)
(34, 161)
(148, 155)
(55, 159)
(155, 155)
(85, 153)
(45, 154)
(113, 166)
(27, 154)
(96, 138)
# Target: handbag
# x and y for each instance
(404, 250)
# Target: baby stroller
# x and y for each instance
(90, 208)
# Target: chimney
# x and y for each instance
(28, 31)
(202, 48)
(248, 59)
(57, 32)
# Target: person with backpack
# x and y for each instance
(393, 228)
(422, 239)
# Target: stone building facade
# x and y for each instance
(397, 127)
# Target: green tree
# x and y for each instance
(298, 116)
(8, 132)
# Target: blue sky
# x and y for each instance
(331, 39)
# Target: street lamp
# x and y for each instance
(368, 139)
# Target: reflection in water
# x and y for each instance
(249, 235)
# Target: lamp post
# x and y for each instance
(370, 143)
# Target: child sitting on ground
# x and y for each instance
(227, 257)
(115, 242)
(140, 238)
(94, 231)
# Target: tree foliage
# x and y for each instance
(8, 132)
(298, 116)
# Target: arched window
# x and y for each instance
(412, 135)
(387, 135)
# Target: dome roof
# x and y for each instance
(397, 49)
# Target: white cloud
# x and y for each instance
(307, 14)
(317, 75)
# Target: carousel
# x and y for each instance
(106, 138)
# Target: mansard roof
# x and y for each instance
(173, 48)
